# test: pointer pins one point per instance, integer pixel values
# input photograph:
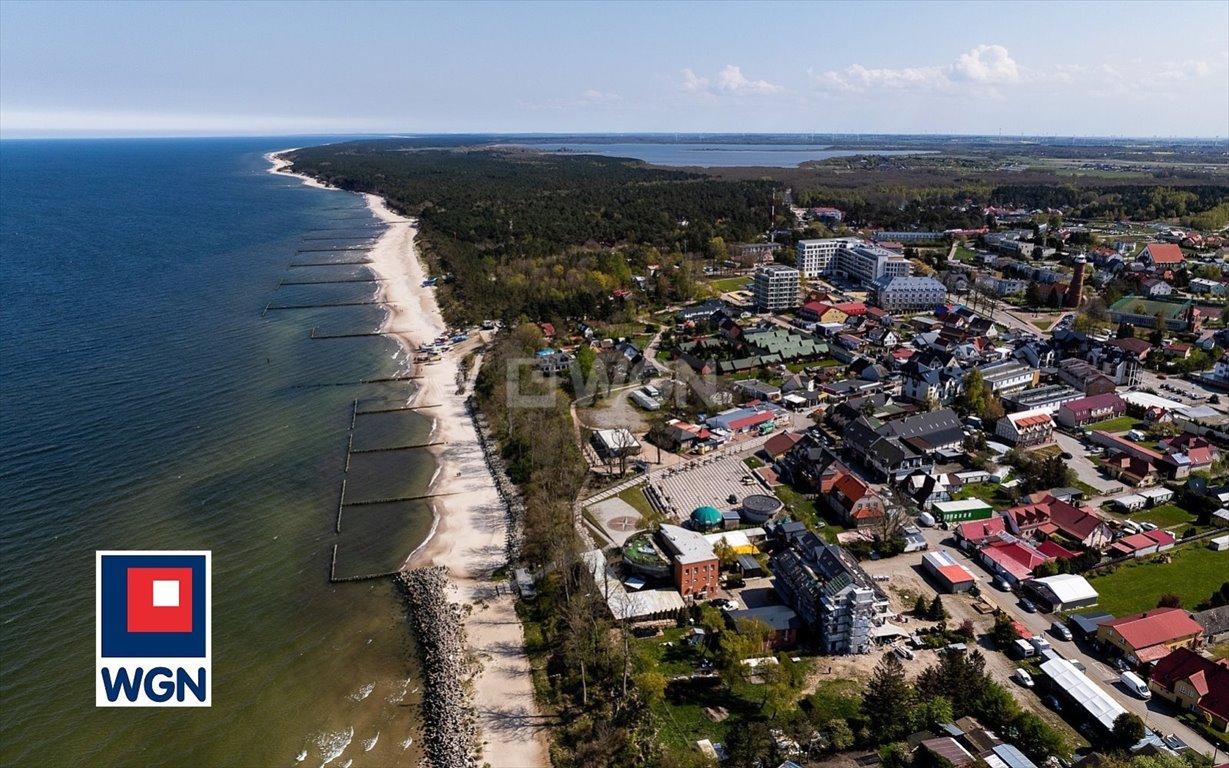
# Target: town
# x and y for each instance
(988, 457)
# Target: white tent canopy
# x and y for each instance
(1075, 684)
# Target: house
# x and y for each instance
(1195, 684)
(821, 312)
(782, 622)
(854, 501)
(1154, 287)
(781, 443)
(1026, 429)
(1136, 347)
(1162, 256)
(1080, 526)
(1088, 410)
(1011, 558)
(972, 534)
(1215, 623)
(1148, 637)
(1142, 544)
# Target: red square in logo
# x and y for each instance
(159, 599)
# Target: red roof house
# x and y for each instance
(1194, 683)
(1152, 635)
(1162, 255)
(974, 532)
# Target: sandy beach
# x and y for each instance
(470, 529)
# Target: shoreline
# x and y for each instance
(469, 525)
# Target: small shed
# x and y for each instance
(1219, 544)
(525, 583)
(1130, 502)
(1156, 496)
(1086, 624)
(748, 566)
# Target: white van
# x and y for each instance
(1135, 686)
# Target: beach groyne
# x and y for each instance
(449, 722)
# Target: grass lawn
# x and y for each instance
(752, 462)
(993, 494)
(830, 362)
(1166, 516)
(803, 509)
(1219, 651)
(1120, 424)
(1043, 323)
(635, 496)
(837, 698)
(1195, 573)
(965, 255)
(727, 284)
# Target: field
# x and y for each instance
(1166, 516)
(727, 284)
(1120, 424)
(995, 495)
(1195, 573)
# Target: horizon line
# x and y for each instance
(52, 135)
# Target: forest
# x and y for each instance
(517, 234)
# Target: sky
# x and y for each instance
(1109, 68)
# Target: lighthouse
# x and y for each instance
(1075, 291)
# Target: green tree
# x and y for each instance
(1125, 331)
(840, 735)
(652, 686)
(1004, 631)
(1127, 731)
(936, 612)
(887, 700)
(919, 607)
(1035, 738)
(1032, 294)
(975, 394)
(930, 713)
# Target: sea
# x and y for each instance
(163, 385)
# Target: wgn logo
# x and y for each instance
(152, 629)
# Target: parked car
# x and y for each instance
(1067, 455)
(1027, 606)
(1059, 630)
(1023, 678)
(905, 653)
(1053, 703)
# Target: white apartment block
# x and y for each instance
(902, 293)
(776, 287)
(849, 257)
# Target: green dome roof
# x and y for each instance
(706, 516)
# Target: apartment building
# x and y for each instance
(900, 293)
(776, 287)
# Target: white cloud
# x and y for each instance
(986, 64)
(693, 83)
(729, 80)
(983, 65)
(732, 80)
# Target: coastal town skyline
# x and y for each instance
(123, 69)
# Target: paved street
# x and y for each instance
(1085, 471)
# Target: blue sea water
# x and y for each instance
(148, 401)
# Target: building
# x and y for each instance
(1088, 410)
(972, 534)
(899, 293)
(1084, 695)
(833, 596)
(1195, 684)
(694, 562)
(1011, 558)
(1064, 592)
(818, 257)
(1008, 376)
(1148, 637)
(1075, 290)
(854, 501)
(782, 621)
(866, 263)
(1049, 398)
(951, 575)
(1142, 544)
(1026, 428)
(615, 443)
(1162, 256)
(962, 511)
(775, 287)
(1215, 623)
